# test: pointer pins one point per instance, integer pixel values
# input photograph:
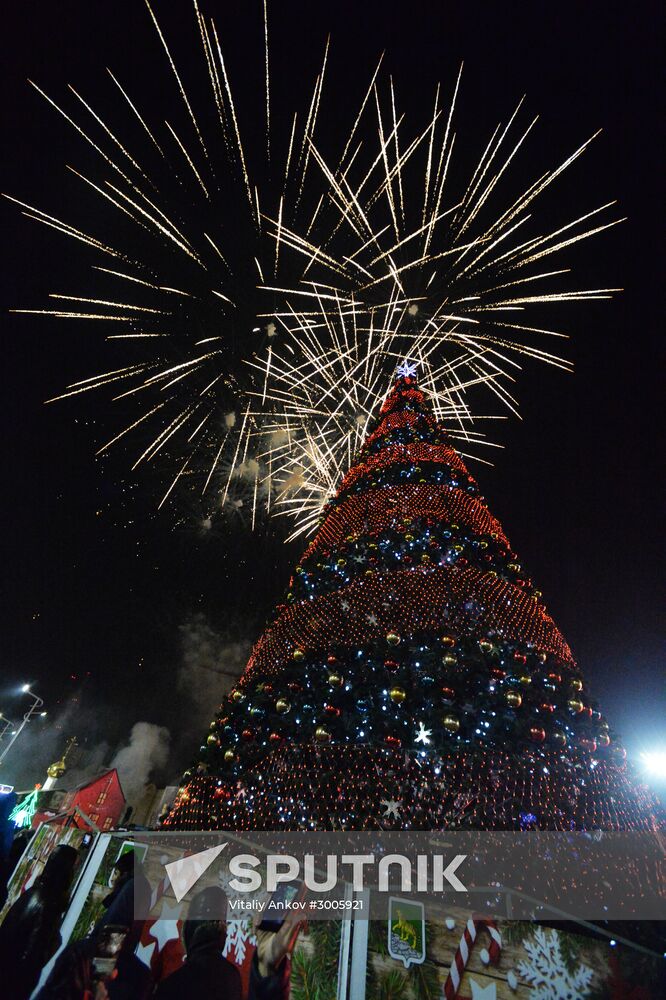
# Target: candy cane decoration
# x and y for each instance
(461, 957)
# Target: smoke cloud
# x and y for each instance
(146, 752)
(212, 663)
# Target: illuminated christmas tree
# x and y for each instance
(413, 677)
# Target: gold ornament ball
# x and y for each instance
(485, 646)
(559, 738)
(514, 699)
(397, 694)
(451, 723)
(525, 679)
(392, 638)
(322, 734)
(298, 655)
(449, 641)
(576, 684)
(603, 739)
(211, 740)
(282, 706)
(576, 705)
(229, 755)
(237, 695)
(335, 679)
(449, 660)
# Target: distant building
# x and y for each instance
(149, 807)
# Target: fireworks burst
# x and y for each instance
(260, 320)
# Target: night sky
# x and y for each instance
(98, 591)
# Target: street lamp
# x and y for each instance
(6, 724)
(37, 703)
(654, 762)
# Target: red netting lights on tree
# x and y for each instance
(412, 678)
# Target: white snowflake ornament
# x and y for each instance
(423, 735)
(239, 936)
(546, 971)
(392, 808)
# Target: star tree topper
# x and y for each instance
(406, 369)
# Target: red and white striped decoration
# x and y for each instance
(461, 957)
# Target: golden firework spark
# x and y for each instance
(271, 340)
